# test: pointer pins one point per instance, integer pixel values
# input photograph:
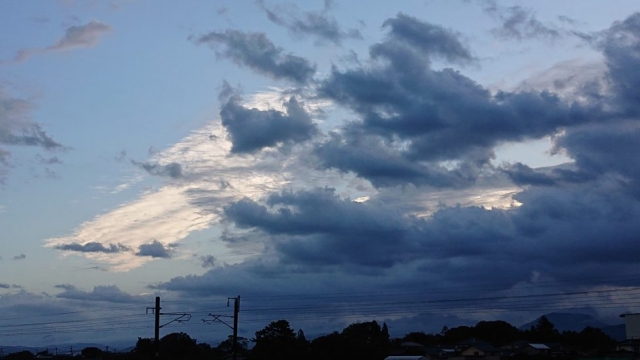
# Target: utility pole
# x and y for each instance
(181, 318)
(156, 339)
(236, 312)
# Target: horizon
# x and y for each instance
(127, 346)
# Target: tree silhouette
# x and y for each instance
(276, 341)
(226, 347)
(91, 352)
(178, 345)
(544, 331)
(496, 333)
(25, 354)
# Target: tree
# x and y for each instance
(276, 341)
(145, 348)
(458, 334)
(544, 331)
(366, 340)
(25, 354)
(331, 346)
(226, 347)
(178, 345)
(590, 339)
(496, 333)
(91, 352)
(422, 338)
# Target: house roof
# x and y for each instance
(483, 347)
(539, 346)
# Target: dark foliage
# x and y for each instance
(365, 340)
(278, 341)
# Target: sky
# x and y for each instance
(421, 163)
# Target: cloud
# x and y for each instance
(16, 126)
(569, 223)
(561, 232)
(251, 130)
(620, 45)
(432, 127)
(75, 37)
(4, 286)
(424, 139)
(172, 170)
(257, 52)
(319, 24)
(92, 247)
(50, 161)
(207, 261)
(519, 23)
(20, 257)
(172, 212)
(42, 315)
(109, 293)
(155, 249)
(433, 39)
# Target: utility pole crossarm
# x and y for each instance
(217, 318)
(180, 318)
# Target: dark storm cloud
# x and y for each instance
(257, 52)
(314, 23)
(155, 249)
(93, 247)
(251, 130)
(621, 46)
(557, 230)
(574, 229)
(607, 149)
(372, 158)
(110, 293)
(172, 170)
(327, 236)
(427, 117)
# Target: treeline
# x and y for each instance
(366, 340)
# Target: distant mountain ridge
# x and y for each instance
(577, 322)
(61, 348)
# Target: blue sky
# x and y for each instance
(287, 152)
